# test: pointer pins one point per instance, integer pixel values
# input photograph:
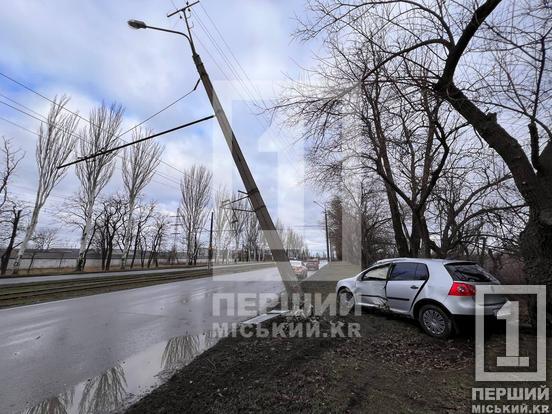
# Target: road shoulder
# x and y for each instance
(391, 367)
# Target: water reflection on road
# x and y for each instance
(126, 382)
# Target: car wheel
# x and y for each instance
(345, 301)
(435, 322)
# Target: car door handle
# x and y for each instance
(414, 287)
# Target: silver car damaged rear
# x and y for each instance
(433, 291)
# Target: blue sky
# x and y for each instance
(86, 50)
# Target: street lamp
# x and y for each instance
(137, 24)
(274, 241)
(327, 236)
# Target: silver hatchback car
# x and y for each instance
(433, 291)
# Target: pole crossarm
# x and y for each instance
(128, 144)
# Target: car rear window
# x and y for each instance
(469, 272)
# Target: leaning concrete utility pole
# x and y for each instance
(273, 239)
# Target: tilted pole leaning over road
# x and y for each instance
(273, 239)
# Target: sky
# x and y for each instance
(87, 51)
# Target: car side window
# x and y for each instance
(422, 272)
(409, 271)
(378, 273)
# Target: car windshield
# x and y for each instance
(469, 272)
(295, 263)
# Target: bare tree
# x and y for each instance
(44, 238)
(141, 222)
(73, 214)
(221, 227)
(158, 233)
(10, 159)
(109, 223)
(56, 140)
(139, 164)
(94, 174)
(506, 100)
(11, 224)
(11, 211)
(195, 189)
(252, 237)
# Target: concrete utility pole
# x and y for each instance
(211, 241)
(327, 234)
(275, 244)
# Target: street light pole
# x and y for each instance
(273, 239)
(327, 235)
(209, 265)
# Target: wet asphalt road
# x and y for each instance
(47, 348)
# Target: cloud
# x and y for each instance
(87, 51)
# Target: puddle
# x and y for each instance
(129, 380)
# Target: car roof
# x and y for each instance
(421, 260)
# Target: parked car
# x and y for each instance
(312, 264)
(299, 269)
(434, 292)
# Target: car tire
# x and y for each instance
(435, 321)
(345, 302)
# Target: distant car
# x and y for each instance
(312, 264)
(299, 269)
(434, 292)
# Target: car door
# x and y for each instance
(371, 286)
(405, 280)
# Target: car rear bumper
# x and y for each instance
(465, 306)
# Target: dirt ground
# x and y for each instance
(392, 367)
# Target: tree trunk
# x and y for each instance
(536, 189)
(536, 250)
(84, 240)
(27, 238)
(7, 253)
(108, 258)
(127, 238)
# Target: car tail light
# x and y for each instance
(461, 289)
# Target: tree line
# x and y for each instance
(124, 223)
(430, 120)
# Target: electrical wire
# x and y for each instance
(249, 97)
(118, 155)
(88, 121)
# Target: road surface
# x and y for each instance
(62, 347)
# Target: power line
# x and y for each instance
(218, 49)
(97, 154)
(90, 122)
(71, 133)
(230, 50)
(161, 110)
(118, 155)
